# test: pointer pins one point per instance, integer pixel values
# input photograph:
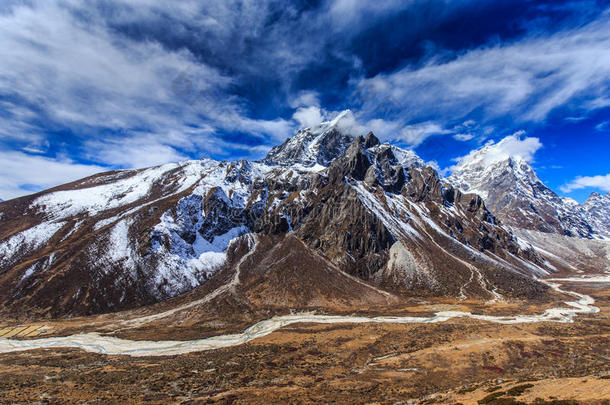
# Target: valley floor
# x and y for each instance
(461, 360)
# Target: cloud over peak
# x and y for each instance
(514, 146)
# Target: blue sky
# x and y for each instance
(106, 84)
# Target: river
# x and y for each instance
(96, 343)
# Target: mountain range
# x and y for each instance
(326, 220)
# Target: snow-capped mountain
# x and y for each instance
(514, 193)
(317, 146)
(327, 218)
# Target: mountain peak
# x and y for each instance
(345, 115)
(505, 164)
(317, 145)
(595, 195)
(597, 199)
(371, 140)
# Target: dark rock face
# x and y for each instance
(370, 140)
(386, 171)
(341, 227)
(354, 163)
(424, 184)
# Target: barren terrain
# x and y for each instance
(460, 360)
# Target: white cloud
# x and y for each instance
(466, 130)
(442, 171)
(22, 174)
(513, 146)
(603, 126)
(309, 116)
(135, 152)
(469, 124)
(305, 98)
(272, 131)
(415, 134)
(463, 137)
(349, 124)
(580, 182)
(526, 79)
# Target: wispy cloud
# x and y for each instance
(600, 182)
(309, 116)
(64, 67)
(21, 173)
(525, 79)
(463, 137)
(603, 126)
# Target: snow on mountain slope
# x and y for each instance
(27, 240)
(568, 255)
(513, 192)
(132, 237)
(117, 190)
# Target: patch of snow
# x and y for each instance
(27, 241)
(121, 192)
(119, 245)
(28, 273)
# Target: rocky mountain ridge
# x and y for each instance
(325, 205)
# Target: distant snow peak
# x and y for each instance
(501, 174)
(597, 199)
(597, 208)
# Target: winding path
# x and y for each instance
(94, 342)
